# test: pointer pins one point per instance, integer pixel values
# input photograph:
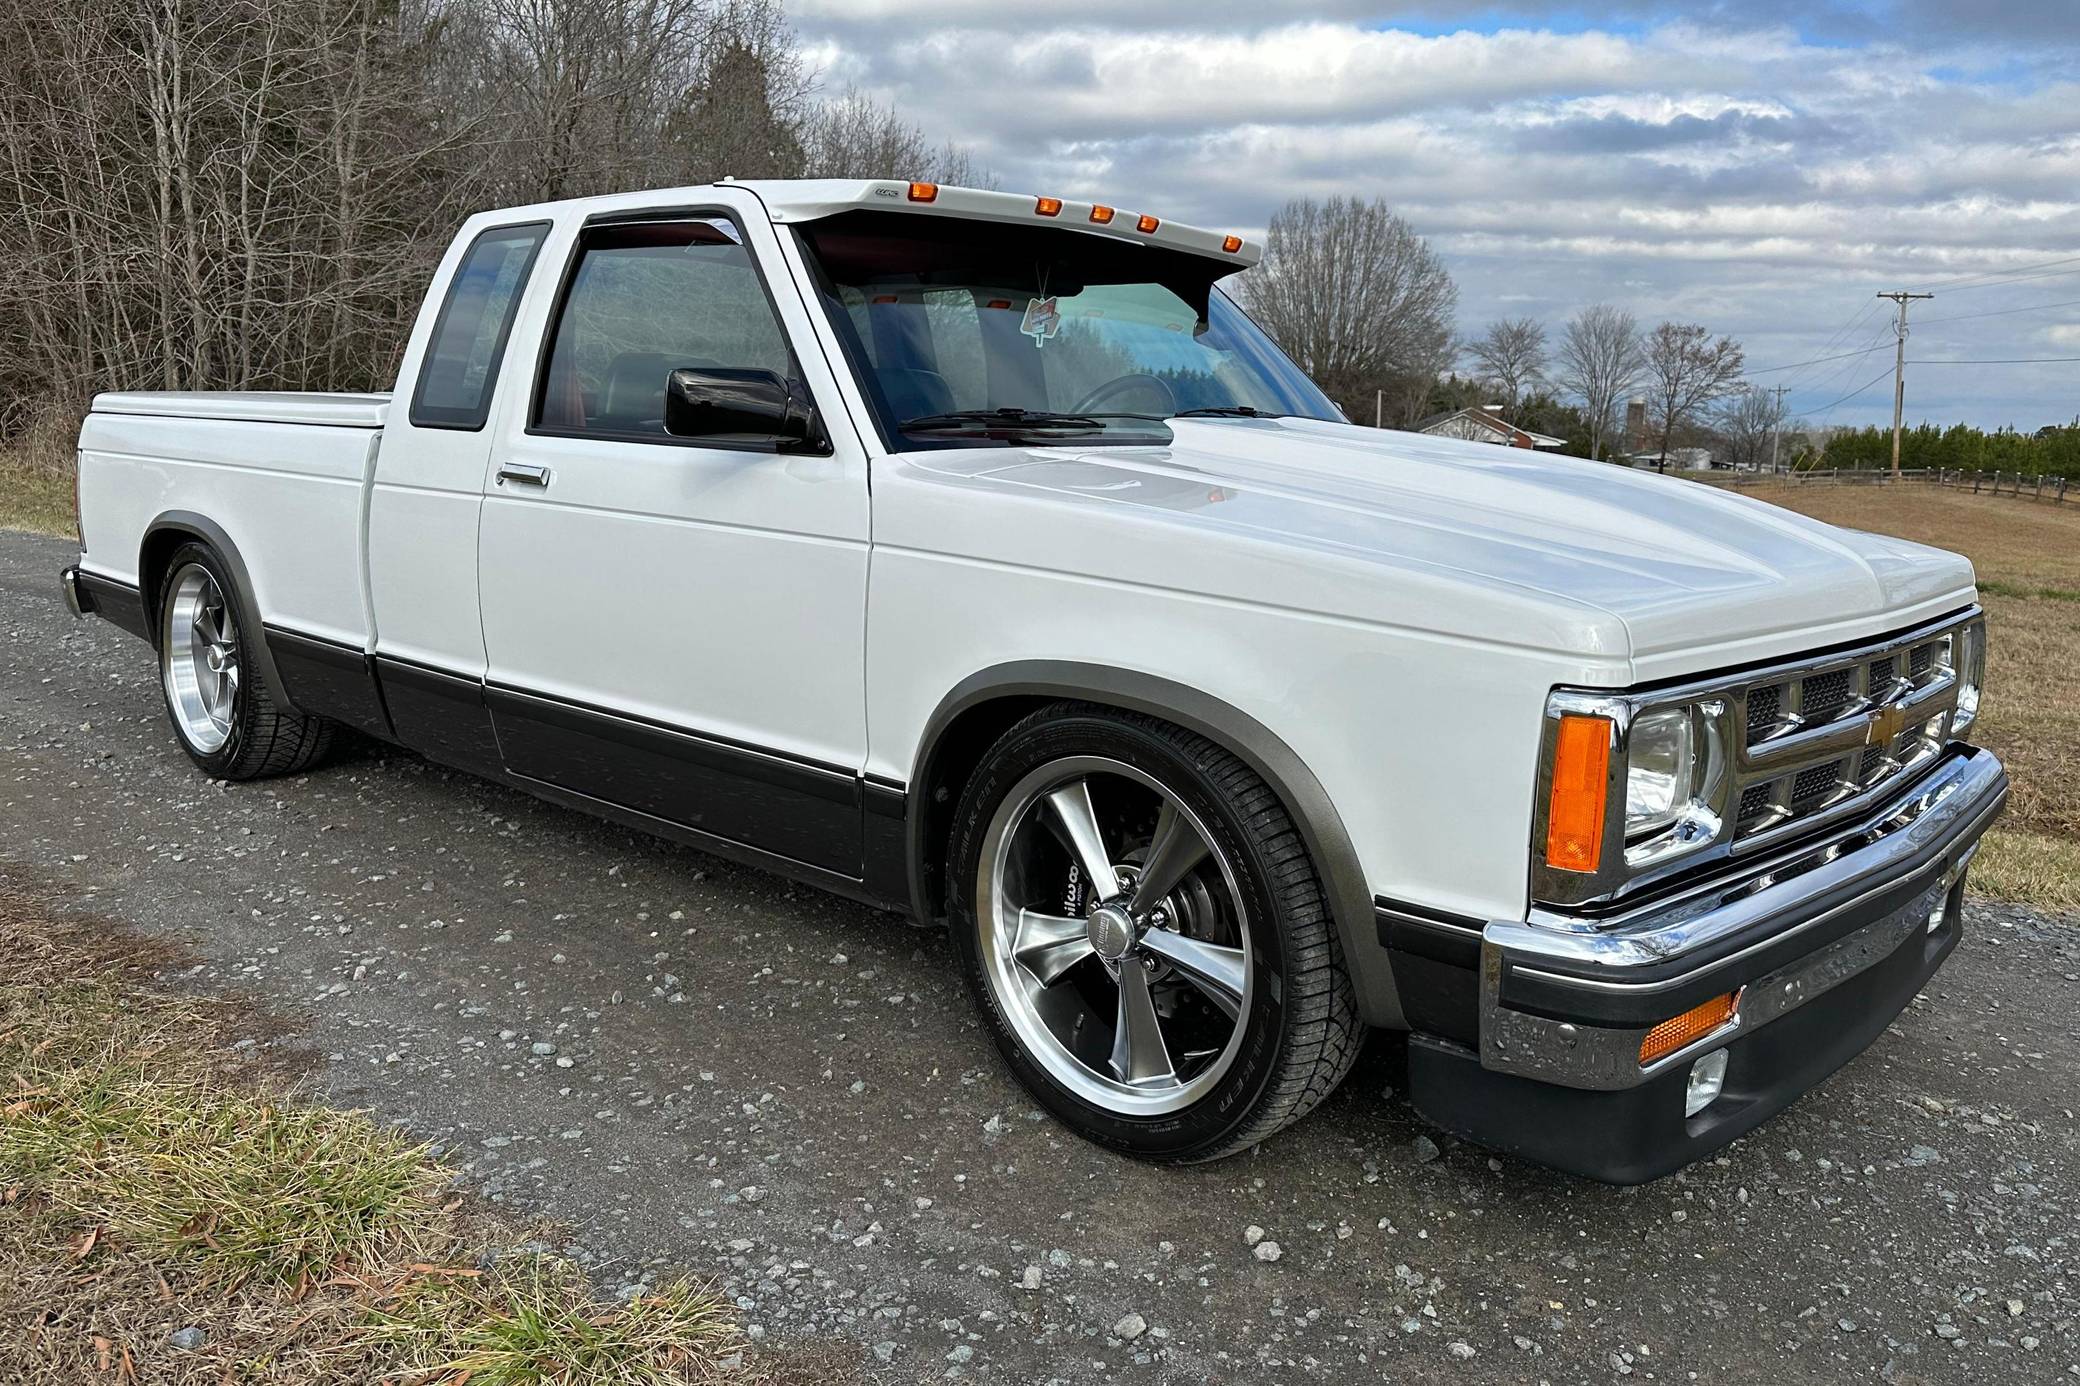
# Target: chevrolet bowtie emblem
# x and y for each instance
(1886, 723)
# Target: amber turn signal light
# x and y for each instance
(1147, 225)
(1692, 1025)
(1101, 214)
(1581, 780)
(1048, 206)
(924, 192)
(1231, 244)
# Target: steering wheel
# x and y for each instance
(1125, 384)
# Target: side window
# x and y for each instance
(647, 299)
(469, 337)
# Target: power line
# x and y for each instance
(2004, 283)
(2002, 312)
(1974, 280)
(2004, 361)
(1843, 356)
(1823, 412)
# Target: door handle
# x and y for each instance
(526, 472)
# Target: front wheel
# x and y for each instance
(1146, 937)
(227, 720)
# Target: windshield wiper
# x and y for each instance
(1226, 411)
(1000, 418)
(1013, 418)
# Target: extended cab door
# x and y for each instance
(423, 504)
(677, 627)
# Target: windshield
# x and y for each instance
(969, 332)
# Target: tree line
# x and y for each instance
(252, 194)
(2053, 451)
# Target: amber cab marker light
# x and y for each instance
(924, 192)
(1692, 1025)
(1231, 244)
(1147, 225)
(1581, 779)
(1048, 206)
(1101, 214)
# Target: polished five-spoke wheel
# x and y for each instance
(230, 722)
(1113, 932)
(199, 659)
(1146, 936)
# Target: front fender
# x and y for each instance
(1321, 827)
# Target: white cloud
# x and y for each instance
(1746, 176)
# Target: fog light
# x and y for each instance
(1940, 910)
(1707, 1081)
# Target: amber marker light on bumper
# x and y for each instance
(1689, 1027)
(1581, 784)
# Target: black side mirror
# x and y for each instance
(715, 402)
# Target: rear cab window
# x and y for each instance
(460, 369)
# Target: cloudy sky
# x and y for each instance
(1763, 168)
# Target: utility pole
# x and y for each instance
(1899, 368)
(1776, 423)
(1379, 408)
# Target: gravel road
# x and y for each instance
(687, 1063)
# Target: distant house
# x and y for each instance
(1679, 459)
(1485, 425)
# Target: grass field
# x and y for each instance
(2028, 557)
(35, 498)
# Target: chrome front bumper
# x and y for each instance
(1568, 1001)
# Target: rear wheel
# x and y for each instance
(227, 720)
(1146, 936)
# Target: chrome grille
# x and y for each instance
(1822, 736)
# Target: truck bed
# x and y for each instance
(251, 406)
(283, 474)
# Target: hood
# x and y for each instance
(1666, 571)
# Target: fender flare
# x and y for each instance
(1257, 746)
(245, 602)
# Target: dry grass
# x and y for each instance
(151, 1182)
(36, 477)
(2028, 557)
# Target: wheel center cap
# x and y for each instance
(1111, 932)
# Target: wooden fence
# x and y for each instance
(2051, 488)
(2043, 488)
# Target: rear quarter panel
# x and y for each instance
(288, 495)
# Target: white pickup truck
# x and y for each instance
(973, 554)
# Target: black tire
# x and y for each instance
(262, 738)
(1302, 1030)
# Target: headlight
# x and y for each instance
(1675, 766)
(1969, 661)
(1631, 783)
(1658, 770)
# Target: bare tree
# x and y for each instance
(1352, 294)
(1599, 361)
(855, 136)
(203, 194)
(1687, 370)
(1747, 422)
(1511, 355)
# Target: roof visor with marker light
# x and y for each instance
(1636, 787)
(809, 201)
